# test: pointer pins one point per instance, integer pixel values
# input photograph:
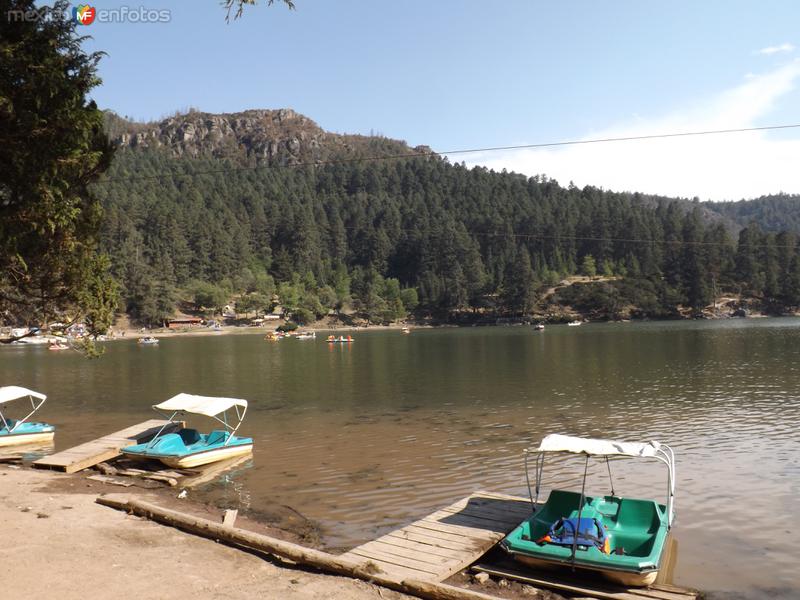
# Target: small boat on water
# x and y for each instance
(148, 341)
(538, 327)
(189, 448)
(274, 336)
(57, 345)
(332, 339)
(306, 335)
(574, 323)
(405, 330)
(618, 537)
(22, 431)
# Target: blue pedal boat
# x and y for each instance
(189, 448)
(22, 431)
(621, 538)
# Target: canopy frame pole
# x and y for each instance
(580, 512)
(610, 479)
(527, 479)
(235, 429)
(34, 406)
(171, 420)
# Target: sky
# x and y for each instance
(460, 74)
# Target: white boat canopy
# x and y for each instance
(596, 447)
(209, 406)
(14, 392)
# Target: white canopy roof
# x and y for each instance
(209, 406)
(596, 447)
(12, 392)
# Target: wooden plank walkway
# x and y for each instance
(447, 541)
(104, 448)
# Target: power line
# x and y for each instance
(577, 238)
(323, 163)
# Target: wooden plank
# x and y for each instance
(229, 518)
(427, 554)
(104, 448)
(580, 587)
(430, 540)
(426, 571)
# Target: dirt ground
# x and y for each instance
(57, 543)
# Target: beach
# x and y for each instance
(60, 543)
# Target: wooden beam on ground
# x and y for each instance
(329, 563)
(576, 586)
(104, 448)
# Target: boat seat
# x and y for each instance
(638, 515)
(217, 436)
(10, 422)
(189, 436)
(560, 504)
(170, 442)
(636, 526)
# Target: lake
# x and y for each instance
(365, 437)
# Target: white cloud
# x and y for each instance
(787, 47)
(716, 167)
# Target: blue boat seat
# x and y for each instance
(218, 436)
(10, 422)
(169, 443)
(189, 436)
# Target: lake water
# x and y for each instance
(363, 438)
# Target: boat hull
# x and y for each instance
(26, 438)
(625, 578)
(196, 459)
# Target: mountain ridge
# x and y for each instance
(281, 137)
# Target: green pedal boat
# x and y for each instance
(620, 538)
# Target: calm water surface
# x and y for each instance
(367, 437)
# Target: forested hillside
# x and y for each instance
(188, 220)
(776, 213)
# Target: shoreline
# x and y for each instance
(56, 515)
(87, 548)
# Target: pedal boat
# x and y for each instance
(189, 448)
(620, 538)
(22, 431)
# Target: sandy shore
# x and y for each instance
(58, 543)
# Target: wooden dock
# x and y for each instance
(447, 541)
(104, 448)
(450, 540)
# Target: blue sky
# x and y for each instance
(458, 74)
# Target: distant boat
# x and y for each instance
(148, 341)
(188, 447)
(406, 329)
(57, 345)
(332, 339)
(21, 431)
(538, 327)
(306, 335)
(574, 323)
